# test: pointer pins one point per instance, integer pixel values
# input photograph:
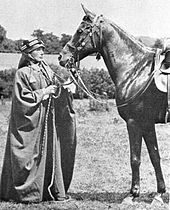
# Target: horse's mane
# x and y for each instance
(129, 38)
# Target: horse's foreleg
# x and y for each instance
(152, 146)
(135, 138)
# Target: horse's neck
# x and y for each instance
(128, 62)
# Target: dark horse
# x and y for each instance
(131, 66)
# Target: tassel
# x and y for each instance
(98, 56)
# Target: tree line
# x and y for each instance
(53, 43)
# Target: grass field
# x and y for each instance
(102, 175)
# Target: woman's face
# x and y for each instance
(38, 54)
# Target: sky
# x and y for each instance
(138, 17)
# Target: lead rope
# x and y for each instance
(45, 127)
(50, 104)
(52, 97)
(50, 101)
(76, 78)
(53, 127)
(53, 166)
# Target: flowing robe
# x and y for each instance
(41, 141)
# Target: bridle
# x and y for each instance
(74, 66)
(88, 32)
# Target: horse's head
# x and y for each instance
(84, 42)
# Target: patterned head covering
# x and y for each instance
(30, 45)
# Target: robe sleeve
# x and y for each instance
(26, 101)
(23, 91)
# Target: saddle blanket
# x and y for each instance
(161, 81)
(161, 74)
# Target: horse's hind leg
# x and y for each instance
(135, 138)
(152, 146)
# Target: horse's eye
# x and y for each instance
(79, 31)
(86, 18)
(88, 28)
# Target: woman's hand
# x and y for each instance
(49, 90)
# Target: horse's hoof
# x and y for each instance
(157, 200)
(128, 199)
(135, 191)
(161, 189)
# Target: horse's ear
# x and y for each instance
(88, 13)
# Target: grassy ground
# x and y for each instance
(102, 175)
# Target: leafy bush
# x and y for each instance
(6, 82)
(99, 83)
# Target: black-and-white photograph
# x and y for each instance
(84, 104)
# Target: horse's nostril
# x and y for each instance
(59, 57)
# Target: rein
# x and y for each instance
(73, 69)
(82, 86)
(59, 84)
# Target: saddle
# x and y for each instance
(162, 78)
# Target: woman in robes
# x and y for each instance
(41, 141)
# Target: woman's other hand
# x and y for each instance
(50, 90)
